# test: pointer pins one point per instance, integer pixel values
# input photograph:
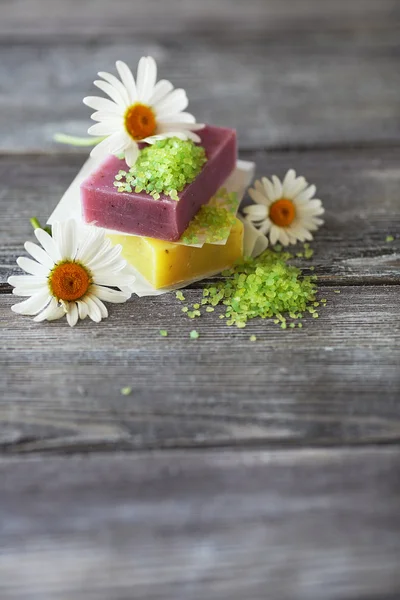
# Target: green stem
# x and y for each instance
(71, 140)
(34, 221)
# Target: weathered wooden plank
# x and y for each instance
(46, 18)
(335, 381)
(285, 90)
(360, 190)
(305, 525)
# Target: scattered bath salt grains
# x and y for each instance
(125, 391)
(192, 314)
(253, 338)
(179, 295)
(336, 291)
(165, 167)
(215, 221)
(194, 335)
(266, 287)
(308, 252)
(389, 238)
(163, 332)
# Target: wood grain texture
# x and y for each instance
(277, 90)
(335, 381)
(360, 191)
(171, 18)
(303, 525)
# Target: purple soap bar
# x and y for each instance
(165, 218)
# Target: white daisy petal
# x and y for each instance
(269, 189)
(98, 245)
(317, 222)
(114, 144)
(161, 89)
(103, 115)
(191, 135)
(116, 83)
(274, 234)
(258, 197)
(155, 138)
(111, 91)
(291, 236)
(176, 131)
(102, 149)
(107, 257)
(82, 309)
(34, 304)
(64, 235)
(315, 206)
(29, 290)
(298, 186)
(93, 310)
(180, 118)
(112, 265)
(102, 308)
(146, 78)
(297, 233)
(72, 314)
(166, 125)
(91, 245)
(48, 244)
(259, 186)
(171, 104)
(131, 154)
(283, 237)
(32, 267)
(306, 194)
(112, 280)
(277, 187)
(256, 212)
(57, 313)
(50, 312)
(98, 103)
(39, 254)
(288, 183)
(108, 295)
(106, 127)
(127, 79)
(26, 281)
(141, 76)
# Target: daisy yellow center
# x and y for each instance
(282, 212)
(69, 281)
(140, 121)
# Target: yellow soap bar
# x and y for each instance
(164, 264)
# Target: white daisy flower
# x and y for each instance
(70, 274)
(285, 210)
(139, 111)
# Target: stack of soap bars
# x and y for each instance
(175, 218)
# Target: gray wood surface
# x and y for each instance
(305, 524)
(46, 19)
(282, 90)
(234, 470)
(335, 381)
